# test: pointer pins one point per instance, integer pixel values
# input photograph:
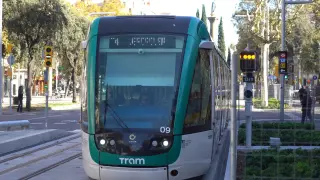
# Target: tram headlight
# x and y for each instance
(154, 143)
(112, 142)
(165, 143)
(102, 142)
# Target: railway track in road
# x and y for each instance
(34, 161)
(28, 151)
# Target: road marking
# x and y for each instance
(20, 114)
(36, 123)
(44, 117)
(59, 123)
(69, 121)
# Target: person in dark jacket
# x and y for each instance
(306, 103)
(20, 98)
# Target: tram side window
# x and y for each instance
(198, 114)
(84, 94)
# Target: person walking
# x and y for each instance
(20, 99)
(306, 103)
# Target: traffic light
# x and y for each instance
(48, 56)
(46, 85)
(248, 93)
(286, 76)
(248, 61)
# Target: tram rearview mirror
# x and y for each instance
(84, 44)
(208, 45)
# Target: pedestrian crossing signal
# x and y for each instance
(48, 56)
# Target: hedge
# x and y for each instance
(273, 164)
(290, 134)
(273, 103)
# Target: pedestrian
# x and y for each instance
(306, 103)
(20, 99)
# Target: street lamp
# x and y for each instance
(283, 39)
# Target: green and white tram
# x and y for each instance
(155, 98)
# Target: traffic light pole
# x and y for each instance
(47, 98)
(10, 89)
(248, 113)
(233, 135)
(283, 34)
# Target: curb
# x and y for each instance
(12, 125)
(19, 140)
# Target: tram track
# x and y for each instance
(48, 168)
(31, 163)
(29, 151)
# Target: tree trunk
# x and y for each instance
(67, 88)
(28, 88)
(265, 94)
(74, 100)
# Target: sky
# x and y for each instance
(224, 9)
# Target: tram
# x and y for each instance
(155, 98)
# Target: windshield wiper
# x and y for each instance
(113, 113)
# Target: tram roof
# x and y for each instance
(145, 23)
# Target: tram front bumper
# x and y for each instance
(124, 173)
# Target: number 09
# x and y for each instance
(165, 130)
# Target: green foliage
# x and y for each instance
(30, 24)
(273, 104)
(289, 133)
(221, 43)
(198, 14)
(302, 30)
(204, 15)
(286, 164)
(229, 57)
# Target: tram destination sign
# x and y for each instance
(142, 41)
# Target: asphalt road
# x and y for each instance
(63, 119)
(68, 119)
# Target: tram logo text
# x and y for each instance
(139, 161)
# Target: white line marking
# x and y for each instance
(36, 123)
(44, 117)
(20, 114)
(59, 123)
(69, 121)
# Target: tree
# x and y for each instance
(32, 23)
(221, 43)
(69, 45)
(229, 57)
(198, 14)
(204, 15)
(115, 6)
(261, 29)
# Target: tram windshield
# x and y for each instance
(137, 82)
